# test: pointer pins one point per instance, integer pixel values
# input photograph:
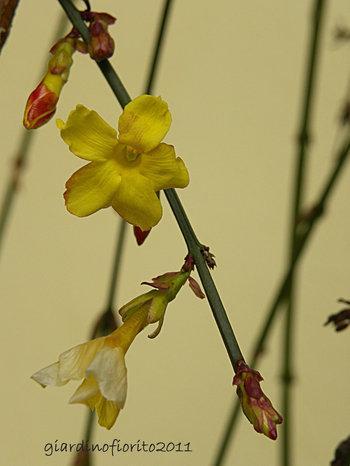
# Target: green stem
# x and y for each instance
(195, 249)
(272, 311)
(89, 426)
(21, 158)
(19, 163)
(119, 249)
(181, 217)
(298, 195)
(162, 27)
(207, 281)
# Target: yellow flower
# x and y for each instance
(101, 365)
(125, 171)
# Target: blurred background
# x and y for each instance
(232, 74)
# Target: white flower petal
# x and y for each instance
(48, 376)
(74, 362)
(109, 370)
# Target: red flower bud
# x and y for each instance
(255, 404)
(140, 235)
(41, 106)
(101, 44)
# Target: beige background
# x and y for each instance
(232, 75)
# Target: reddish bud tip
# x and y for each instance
(40, 107)
(188, 265)
(101, 44)
(140, 235)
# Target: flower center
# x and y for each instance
(131, 154)
(126, 157)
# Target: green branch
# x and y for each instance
(162, 27)
(116, 265)
(195, 249)
(320, 207)
(303, 142)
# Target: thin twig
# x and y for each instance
(303, 144)
(7, 13)
(18, 164)
(321, 207)
(21, 158)
(116, 266)
(162, 27)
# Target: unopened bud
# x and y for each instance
(40, 107)
(101, 44)
(156, 301)
(41, 104)
(255, 404)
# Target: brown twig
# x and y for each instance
(7, 12)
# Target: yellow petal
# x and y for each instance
(92, 187)
(137, 202)
(88, 135)
(87, 393)
(144, 123)
(124, 335)
(163, 168)
(109, 370)
(135, 304)
(107, 412)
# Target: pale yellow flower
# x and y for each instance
(101, 362)
(101, 365)
(127, 170)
